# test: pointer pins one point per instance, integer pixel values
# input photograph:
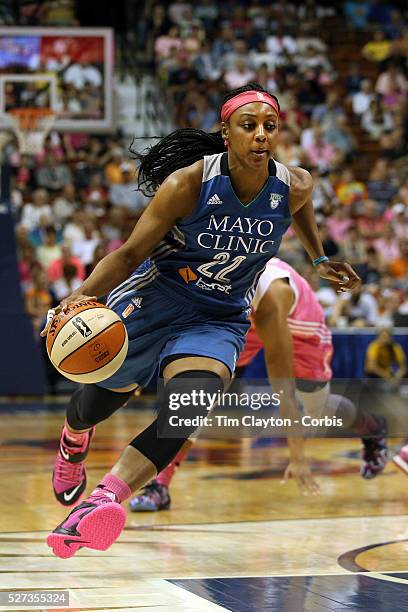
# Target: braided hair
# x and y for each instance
(181, 148)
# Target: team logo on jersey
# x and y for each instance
(128, 310)
(187, 274)
(137, 301)
(275, 200)
(215, 199)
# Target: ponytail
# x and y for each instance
(177, 150)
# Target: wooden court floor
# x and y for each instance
(235, 537)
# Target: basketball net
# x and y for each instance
(31, 126)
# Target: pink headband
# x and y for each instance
(245, 98)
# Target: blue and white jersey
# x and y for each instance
(215, 256)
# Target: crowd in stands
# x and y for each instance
(78, 201)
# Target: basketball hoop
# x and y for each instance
(31, 126)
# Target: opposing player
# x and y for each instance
(187, 276)
(288, 322)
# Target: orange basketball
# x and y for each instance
(88, 343)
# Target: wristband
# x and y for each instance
(319, 260)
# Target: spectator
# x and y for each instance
(203, 116)
(311, 61)
(127, 193)
(380, 12)
(278, 43)
(375, 121)
(356, 12)
(50, 250)
(381, 186)
(331, 248)
(394, 28)
(53, 175)
(113, 170)
(341, 136)
(266, 78)
(348, 190)
(239, 76)
(400, 317)
(39, 209)
(362, 99)
(326, 114)
(320, 154)
(386, 359)
(387, 245)
(326, 295)
(378, 49)
(390, 79)
(38, 299)
(371, 271)
(323, 195)
(400, 220)
(354, 79)
(84, 249)
(354, 248)
(359, 308)
(239, 52)
(65, 204)
(399, 266)
(370, 222)
(73, 230)
(56, 269)
(403, 192)
(205, 63)
(68, 283)
(288, 152)
(338, 224)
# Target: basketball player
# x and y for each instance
(190, 269)
(289, 323)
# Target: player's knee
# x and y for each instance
(89, 405)
(185, 398)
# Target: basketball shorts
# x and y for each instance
(160, 325)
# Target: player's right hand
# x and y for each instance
(62, 307)
(300, 472)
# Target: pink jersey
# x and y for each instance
(312, 340)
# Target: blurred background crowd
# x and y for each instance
(340, 71)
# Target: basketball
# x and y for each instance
(88, 343)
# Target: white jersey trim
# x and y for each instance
(212, 166)
(282, 173)
(269, 275)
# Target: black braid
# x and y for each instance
(180, 149)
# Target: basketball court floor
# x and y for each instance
(235, 538)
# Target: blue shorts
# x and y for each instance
(159, 325)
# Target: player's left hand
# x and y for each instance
(340, 273)
(63, 306)
(300, 472)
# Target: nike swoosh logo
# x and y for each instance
(64, 454)
(69, 496)
(69, 542)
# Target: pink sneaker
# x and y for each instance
(96, 523)
(69, 476)
(401, 459)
